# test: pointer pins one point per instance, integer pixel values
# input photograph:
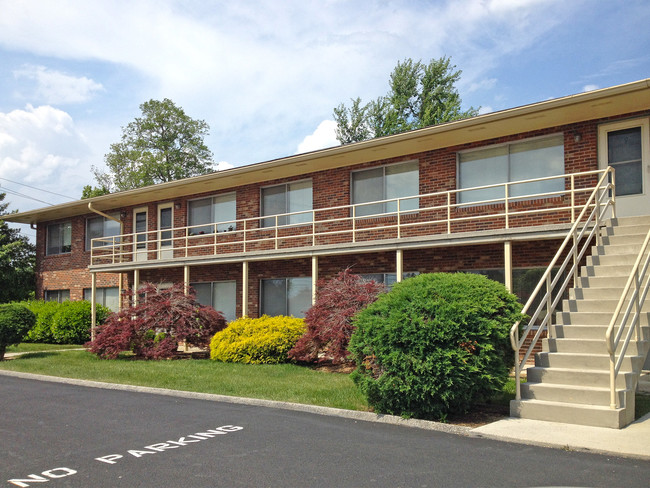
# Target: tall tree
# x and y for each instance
(163, 145)
(419, 95)
(17, 260)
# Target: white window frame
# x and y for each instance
(60, 245)
(411, 204)
(100, 296)
(209, 228)
(57, 295)
(286, 294)
(305, 217)
(464, 196)
(212, 286)
(105, 233)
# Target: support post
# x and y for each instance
(244, 289)
(186, 279)
(136, 285)
(507, 260)
(399, 265)
(93, 302)
(314, 278)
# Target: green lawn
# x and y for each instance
(31, 347)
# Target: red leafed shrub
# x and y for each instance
(328, 322)
(153, 328)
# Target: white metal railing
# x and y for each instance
(419, 215)
(634, 293)
(550, 289)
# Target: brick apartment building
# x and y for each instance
(255, 239)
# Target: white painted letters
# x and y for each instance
(46, 476)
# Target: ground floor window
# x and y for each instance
(388, 279)
(57, 295)
(108, 297)
(285, 296)
(220, 295)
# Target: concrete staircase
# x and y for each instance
(570, 380)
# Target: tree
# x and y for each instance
(15, 322)
(93, 191)
(17, 261)
(419, 95)
(163, 145)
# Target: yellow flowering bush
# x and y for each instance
(265, 340)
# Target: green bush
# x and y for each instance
(42, 330)
(436, 344)
(257, 341)
(72, 321)
(15, 321)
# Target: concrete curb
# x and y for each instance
(298, 407)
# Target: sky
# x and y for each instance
(266, 75)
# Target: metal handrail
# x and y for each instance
(638, 283)
(581, 234)
(438, 208)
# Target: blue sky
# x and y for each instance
(266, 75)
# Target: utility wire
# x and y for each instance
(34, 188)
(13, 192)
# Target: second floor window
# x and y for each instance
(536, 158)
(220, 210)
(101, 227)
(287, 198)
(386, 183)
(59, 238)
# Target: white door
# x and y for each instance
(625, 146)
(165, 224)
(140, 233)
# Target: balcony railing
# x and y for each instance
(412, 217)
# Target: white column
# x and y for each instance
(244, 288)
(93, 302)
(314, 278)
(136, 285)
(399, 264)
(186, 279)
(507, 259)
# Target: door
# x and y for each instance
(140, 233)
(165, 223)
(625, 146)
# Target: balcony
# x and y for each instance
(415, 219)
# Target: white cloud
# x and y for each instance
(223, 165)
(587, 88)
(55, 87)
(42, 147)
(324, 136)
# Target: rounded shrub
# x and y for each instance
(265, 340)
(436, 344)
(15, 322)
(72, 321)
(42, 330)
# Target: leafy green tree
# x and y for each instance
(17, 260)
(420, 95)
(93, 191)
(163, 145)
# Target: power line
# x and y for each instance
(35, 188)
(13, 192)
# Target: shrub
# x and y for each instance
(15, 321)
(154, 328)
(257, 341)
(436, 344)
(42, 330)
(329, 321)
(72, 321)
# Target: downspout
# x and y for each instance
(121, 282)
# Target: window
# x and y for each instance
(108, 297)
(287, 198)
(385, 183)
(57, 295)
(59, 238)
(220, 208)
(537, 158)
(220, 295)
(286, 296)
(101, 227)
(388, 279)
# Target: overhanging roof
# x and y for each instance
(607, 102)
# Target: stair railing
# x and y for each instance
(573, 247)
(634, 293)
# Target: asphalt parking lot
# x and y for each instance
(54, 434)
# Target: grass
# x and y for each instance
(31, 347)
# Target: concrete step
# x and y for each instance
(643, 220)
(612, 259)
(570, 413)
(589, 346)
(583, 361)
(591, 318)
(594, 293)
(612, 282)
(579, 377)
(625, 239)
(627, 228)
(606, 270)
(587, 305)
(584, 395)
(616, 249)
(592, 332)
